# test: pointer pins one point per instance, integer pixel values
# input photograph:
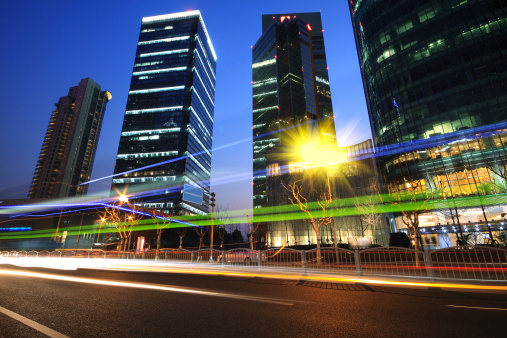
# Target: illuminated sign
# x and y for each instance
(16, 229)
(285, 17)
(140, 245)
(192, 194)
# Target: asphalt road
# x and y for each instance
(222, 306)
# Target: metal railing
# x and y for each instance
(334, 261)
(392, 261)
(179, 255)
(462, 263)
(478, 263)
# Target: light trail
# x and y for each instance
(146, 286)
(477, 307)
(225, 146)
(206, 269)
(341, 207)
(272, 214)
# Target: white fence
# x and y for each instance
(461, 263)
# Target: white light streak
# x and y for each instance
(192, 132)
(478, 307)
(204, 87)
(153, 154)
(204, 129)
(144, 179)
(142, 286)
(205, 68)
(264, 94)
(156, 90)
(202, 103)
(150, 132)
(183, 15)
(176, 51)
(264, 109)
(156, 71)
(152, 110)
(198, 163)
(177, 38)
(264, 82)
(322, 80)
(264, 63)
(205, 55)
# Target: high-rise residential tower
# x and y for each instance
(164, 155)
(291, 94)
(435, 80)
(68, 150)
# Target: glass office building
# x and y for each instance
(69, 147)
(435, 80)
(164, 156)
(290, 94)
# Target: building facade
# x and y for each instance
(164, 155)
(290, 93)
(70, 143)
(435, 81)
(351, 182)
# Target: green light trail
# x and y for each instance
(339, 208)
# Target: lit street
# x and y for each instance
(254, 169)
(163, 304)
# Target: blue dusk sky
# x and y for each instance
(49, 46)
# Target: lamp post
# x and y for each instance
(130, 233)
(212, 215)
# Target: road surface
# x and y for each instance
(76, 303)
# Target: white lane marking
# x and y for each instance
(144, 286)
(478, 307)
(39, 327)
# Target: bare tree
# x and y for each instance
(251, 230)
(411, 199)
(500, 171)
(162, 221)
(201, 231)
(222, 220)
(369, 216)
(106, 227)
(316, 218)
(293, 227)
(182, 231)
(123, 219)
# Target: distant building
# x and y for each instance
(357, 175)
(164, 155)
(290, 93)
(41, 224)
(68, 150)
(435, 80)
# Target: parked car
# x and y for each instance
(399, 239)
(242, 256)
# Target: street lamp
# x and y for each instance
(130, 234)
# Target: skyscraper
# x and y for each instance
(290, 90)
(164, 155)
(435, 80)
(68, 150)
